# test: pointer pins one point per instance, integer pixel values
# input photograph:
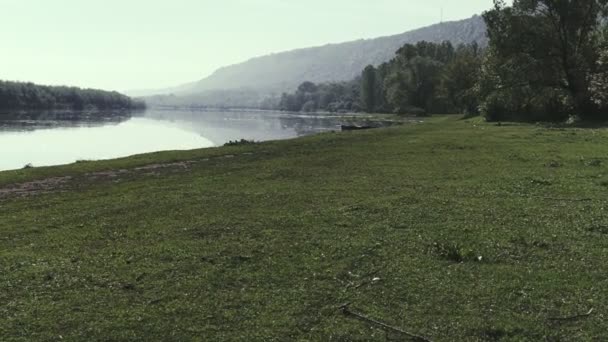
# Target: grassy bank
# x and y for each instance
(451, 229)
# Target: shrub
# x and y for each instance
(240, 142)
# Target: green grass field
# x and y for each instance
(454, 230)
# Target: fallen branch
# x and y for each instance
(553, 198)
(348, 312)
(568, 199)
(572, 318)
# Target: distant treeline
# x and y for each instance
(217, 99)
(422, 78)
(547, 60)
(331, 97)
(29, 96)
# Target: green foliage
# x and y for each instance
(433, 78)
(330, 97)
(422, 78)
(29, 96)
(240, 142)
(541, 59)
(370, 91)
(459, 79)
(599, 80)
(455, 253)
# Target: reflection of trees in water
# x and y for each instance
(307, 125)
(303, 125)
(31, 120)
(220, 126)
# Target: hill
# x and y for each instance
(276, 73)
(284, 71)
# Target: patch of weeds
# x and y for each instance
(604, 183)
(520, 240)
(238, 261)
(598, 229)
(541, 181)
(517, 157)
(591, 162)
(456, 253)
(499, 334)
(541, 244)
(240, 142)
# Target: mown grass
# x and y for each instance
(452, 229)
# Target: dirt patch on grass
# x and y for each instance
(54, 184)
(35, 187)
(63, 183)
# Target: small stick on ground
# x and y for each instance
(349, 313)
(568, 199)
(572, 318)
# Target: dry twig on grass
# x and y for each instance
(573, 318)
(568, 199)
(349, 313)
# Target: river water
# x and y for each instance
(44, 139)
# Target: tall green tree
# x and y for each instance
(546, 47)
(459, 79)
(414, 77)
(369, 89)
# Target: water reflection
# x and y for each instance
(33, 120)
(64, 145)
(221, 127)
(51, 138)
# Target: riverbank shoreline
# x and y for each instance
(47, 139)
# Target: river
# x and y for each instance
(45, 139)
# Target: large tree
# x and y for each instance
(368, 89)
(415, 76)
(547, 46)
(460, 77)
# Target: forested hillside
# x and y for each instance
(30, 96)
(545, 61)
(276, 73)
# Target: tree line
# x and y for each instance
(332, 97)
(29, 96)
(547, 60)
(421, 78)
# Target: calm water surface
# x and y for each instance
(45, 139)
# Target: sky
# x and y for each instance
(149, 44)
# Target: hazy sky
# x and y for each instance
(142, 44)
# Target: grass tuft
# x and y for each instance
(456, 253)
